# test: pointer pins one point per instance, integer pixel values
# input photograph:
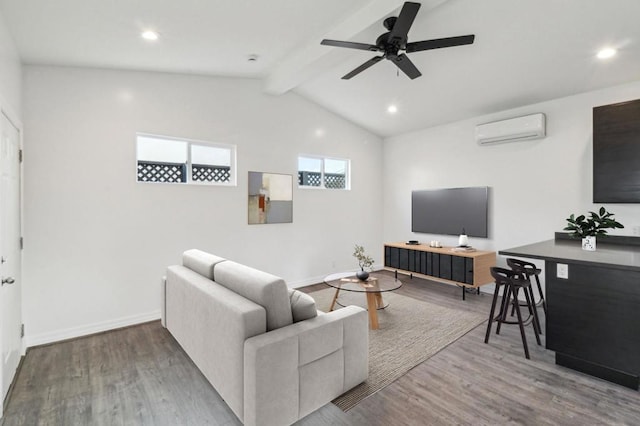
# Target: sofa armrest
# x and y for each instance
(294, 370)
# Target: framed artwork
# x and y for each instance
(270, 198)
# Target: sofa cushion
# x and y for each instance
(201, 262)
(303, 306)
(266, 290)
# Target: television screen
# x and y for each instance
(449, 211)
(616, 153)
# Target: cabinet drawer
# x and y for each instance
(468, 276)
(404, 259)
(445, 266)
(458, 266)
(391, 257)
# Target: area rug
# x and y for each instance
(411, 331)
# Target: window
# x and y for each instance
(171, 160)
(319, 172)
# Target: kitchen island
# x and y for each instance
(593, 305)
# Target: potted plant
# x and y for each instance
(364, 261)
(588, 227)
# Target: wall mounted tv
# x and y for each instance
(447, 211)
(616, 153)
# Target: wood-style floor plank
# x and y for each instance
(140, 376)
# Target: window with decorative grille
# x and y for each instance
(321, 172)
(163, 159)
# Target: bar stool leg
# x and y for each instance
(544, 301)
(521, 324)
(493, 309)
(533, 311)
(504, 306)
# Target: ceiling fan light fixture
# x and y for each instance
(606, 53)
(150, 35)
(395, 41)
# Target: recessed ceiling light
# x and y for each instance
(606, 53)
(319, 132)
(392, 109)
(149, 35)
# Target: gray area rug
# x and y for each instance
(411, 331)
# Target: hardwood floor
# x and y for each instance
(140, 376)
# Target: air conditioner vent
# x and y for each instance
(515, 129)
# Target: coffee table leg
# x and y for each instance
(373, 310)
(335, 298)
(379, 300)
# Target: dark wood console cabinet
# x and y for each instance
(469, 269)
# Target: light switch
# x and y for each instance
(562, 271)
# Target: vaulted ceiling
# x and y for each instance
(525, 51)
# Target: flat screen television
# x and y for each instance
(616, 153)
(448, 211)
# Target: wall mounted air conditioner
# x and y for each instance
(512, 130)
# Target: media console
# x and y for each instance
(462, 268)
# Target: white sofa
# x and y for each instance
(264, 347)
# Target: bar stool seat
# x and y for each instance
(512, 282)
(530, 270)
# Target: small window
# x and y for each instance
(319, 172)
(171, 160)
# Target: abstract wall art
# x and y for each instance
(270, 198)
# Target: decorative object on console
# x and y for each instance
(589, 227)
(463, 240)
(364, 261)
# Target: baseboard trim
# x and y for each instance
(305, 282)
(98, 327)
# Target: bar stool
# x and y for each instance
(512, 281)
(530, 270)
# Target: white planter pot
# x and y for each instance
(589, 243)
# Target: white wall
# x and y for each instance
(10, 73)
(534, 185)
(97, 242)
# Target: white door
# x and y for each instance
(10, 261)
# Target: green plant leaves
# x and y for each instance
(596, 224)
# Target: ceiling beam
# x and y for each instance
(311, 59)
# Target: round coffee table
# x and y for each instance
(374, 286)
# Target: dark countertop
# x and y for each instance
(607, 255)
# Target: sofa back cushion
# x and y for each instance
(201, 262)
(303, 306)
(266, 290)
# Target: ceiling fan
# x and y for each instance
(393, 42)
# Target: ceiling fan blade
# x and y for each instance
(404, 21)
(439, 43)
(350, 45)
(404, 63)
(363, 67)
